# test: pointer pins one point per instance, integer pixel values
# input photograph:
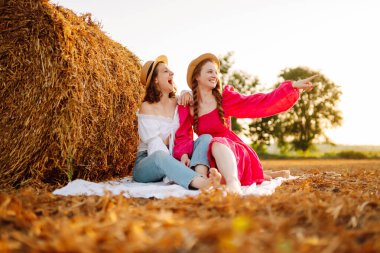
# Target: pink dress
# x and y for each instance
(258, 105)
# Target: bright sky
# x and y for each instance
(339, 38)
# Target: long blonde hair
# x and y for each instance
(216, 92)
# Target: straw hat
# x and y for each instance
(194, 63)
(148, 68)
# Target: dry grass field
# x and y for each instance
(333, 207)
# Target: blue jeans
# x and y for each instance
(155, 167)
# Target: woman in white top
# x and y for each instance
(157, 123)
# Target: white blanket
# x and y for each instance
(158, 190)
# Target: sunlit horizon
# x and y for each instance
(337, 38)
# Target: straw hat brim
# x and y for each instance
(194, 63)
(149, 67)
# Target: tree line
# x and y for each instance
(300, 127)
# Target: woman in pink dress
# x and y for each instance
(237, 162)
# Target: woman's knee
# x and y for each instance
(205, 138)
(219, 148)
(203, 141)
(216, 145)
(159, 156)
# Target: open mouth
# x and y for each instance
(170, 81)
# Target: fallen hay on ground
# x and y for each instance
(334, 209)
(68, 97)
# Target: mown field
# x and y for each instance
(333, 207)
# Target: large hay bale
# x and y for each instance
(68, 97)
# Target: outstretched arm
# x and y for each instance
(304, 84)
(261, 105)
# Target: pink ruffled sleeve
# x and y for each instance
(183, 141)
(259, 105)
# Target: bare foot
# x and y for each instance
(267, 177)
(201, 169)
(234, 187)
(215, 177)
(279, 173)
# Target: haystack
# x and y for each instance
(68, 97)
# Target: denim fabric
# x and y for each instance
(199, 155)
(155, 167)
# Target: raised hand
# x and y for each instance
(304, 84)
(186, 98)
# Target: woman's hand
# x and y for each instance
(304, 84)
(186, 98)
(185, 160)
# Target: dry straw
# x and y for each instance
(68, 97)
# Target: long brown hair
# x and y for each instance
(216, 92)
(152, 93)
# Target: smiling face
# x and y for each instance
(164, 78)
(208, 76)
(205, 78)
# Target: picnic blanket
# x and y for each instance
(159, 190)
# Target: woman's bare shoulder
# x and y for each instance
(146, 108)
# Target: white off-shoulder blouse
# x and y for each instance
(154, 130)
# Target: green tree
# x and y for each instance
(306, 121)
(261, 132)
